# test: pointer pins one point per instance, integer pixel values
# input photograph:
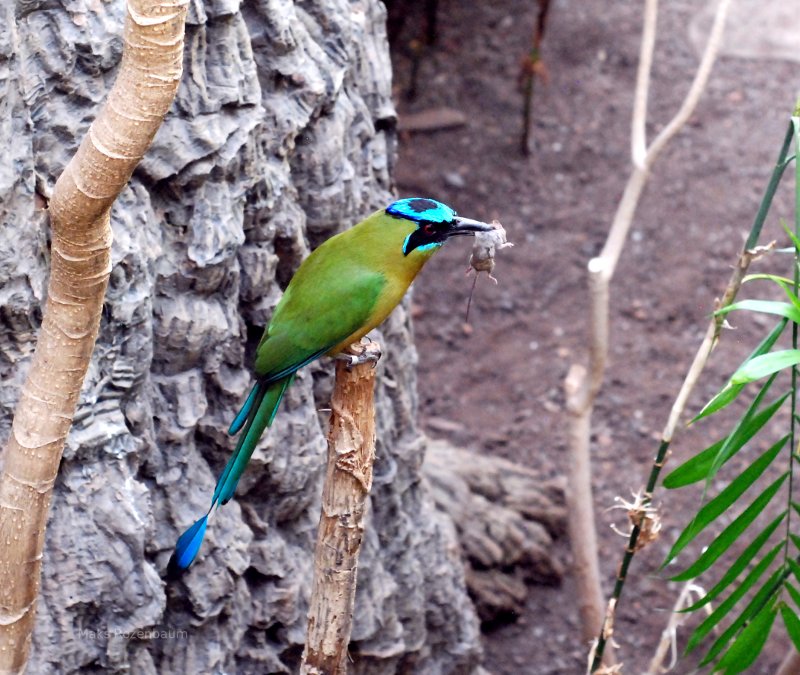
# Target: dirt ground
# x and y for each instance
(499, 389)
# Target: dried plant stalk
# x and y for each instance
(667, 644)
(80, 265)
(348, 479)
(532, 67)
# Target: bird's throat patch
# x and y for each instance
(412, 243)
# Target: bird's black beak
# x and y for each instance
(467, 226)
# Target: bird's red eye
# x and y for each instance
(428, 229)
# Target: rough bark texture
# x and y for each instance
(282, 133)
(507, 518)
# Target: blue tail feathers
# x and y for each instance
(187, 547)
(241, 416)
(256, 414)
(260, 414)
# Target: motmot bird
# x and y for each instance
(340, 292)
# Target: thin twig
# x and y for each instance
(638, 132)
(531, 67)
(668, 642)
(791, 664)
(707, 346)
(698, 84)
(623, 218)
(698, 364)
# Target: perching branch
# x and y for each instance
(81, 246)
(582, 384)
(348, 479)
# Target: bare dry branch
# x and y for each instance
(580, 520)
(581, 387)
(698, 84)
(641, 93)
(348, 479)
(642, 164)
(81, 244)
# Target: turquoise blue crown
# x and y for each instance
(421, 209)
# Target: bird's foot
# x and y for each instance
(367, 351)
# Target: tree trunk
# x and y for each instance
(281, 134)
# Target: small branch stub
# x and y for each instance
(348, 479)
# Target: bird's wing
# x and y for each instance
(316, 314)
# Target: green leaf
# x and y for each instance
(774, 180)
(792, 591)
(792, 624)
(791, 234)
(748, 645)
(697, 468)
(766, 364)
(768, 277)
(717, 506)
(749, 425)
(729, 392)
(758, 601)
(790, 294)
(784, 309)
(740, 564)
(795, 567)
(722, 398)
(726, 605)
(785, 283)
(795, 539)
(731, 533)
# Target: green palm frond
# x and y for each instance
(757, 566)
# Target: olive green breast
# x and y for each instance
(344, 289)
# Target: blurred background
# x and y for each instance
(497, 384)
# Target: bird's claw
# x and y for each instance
(359, 354)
